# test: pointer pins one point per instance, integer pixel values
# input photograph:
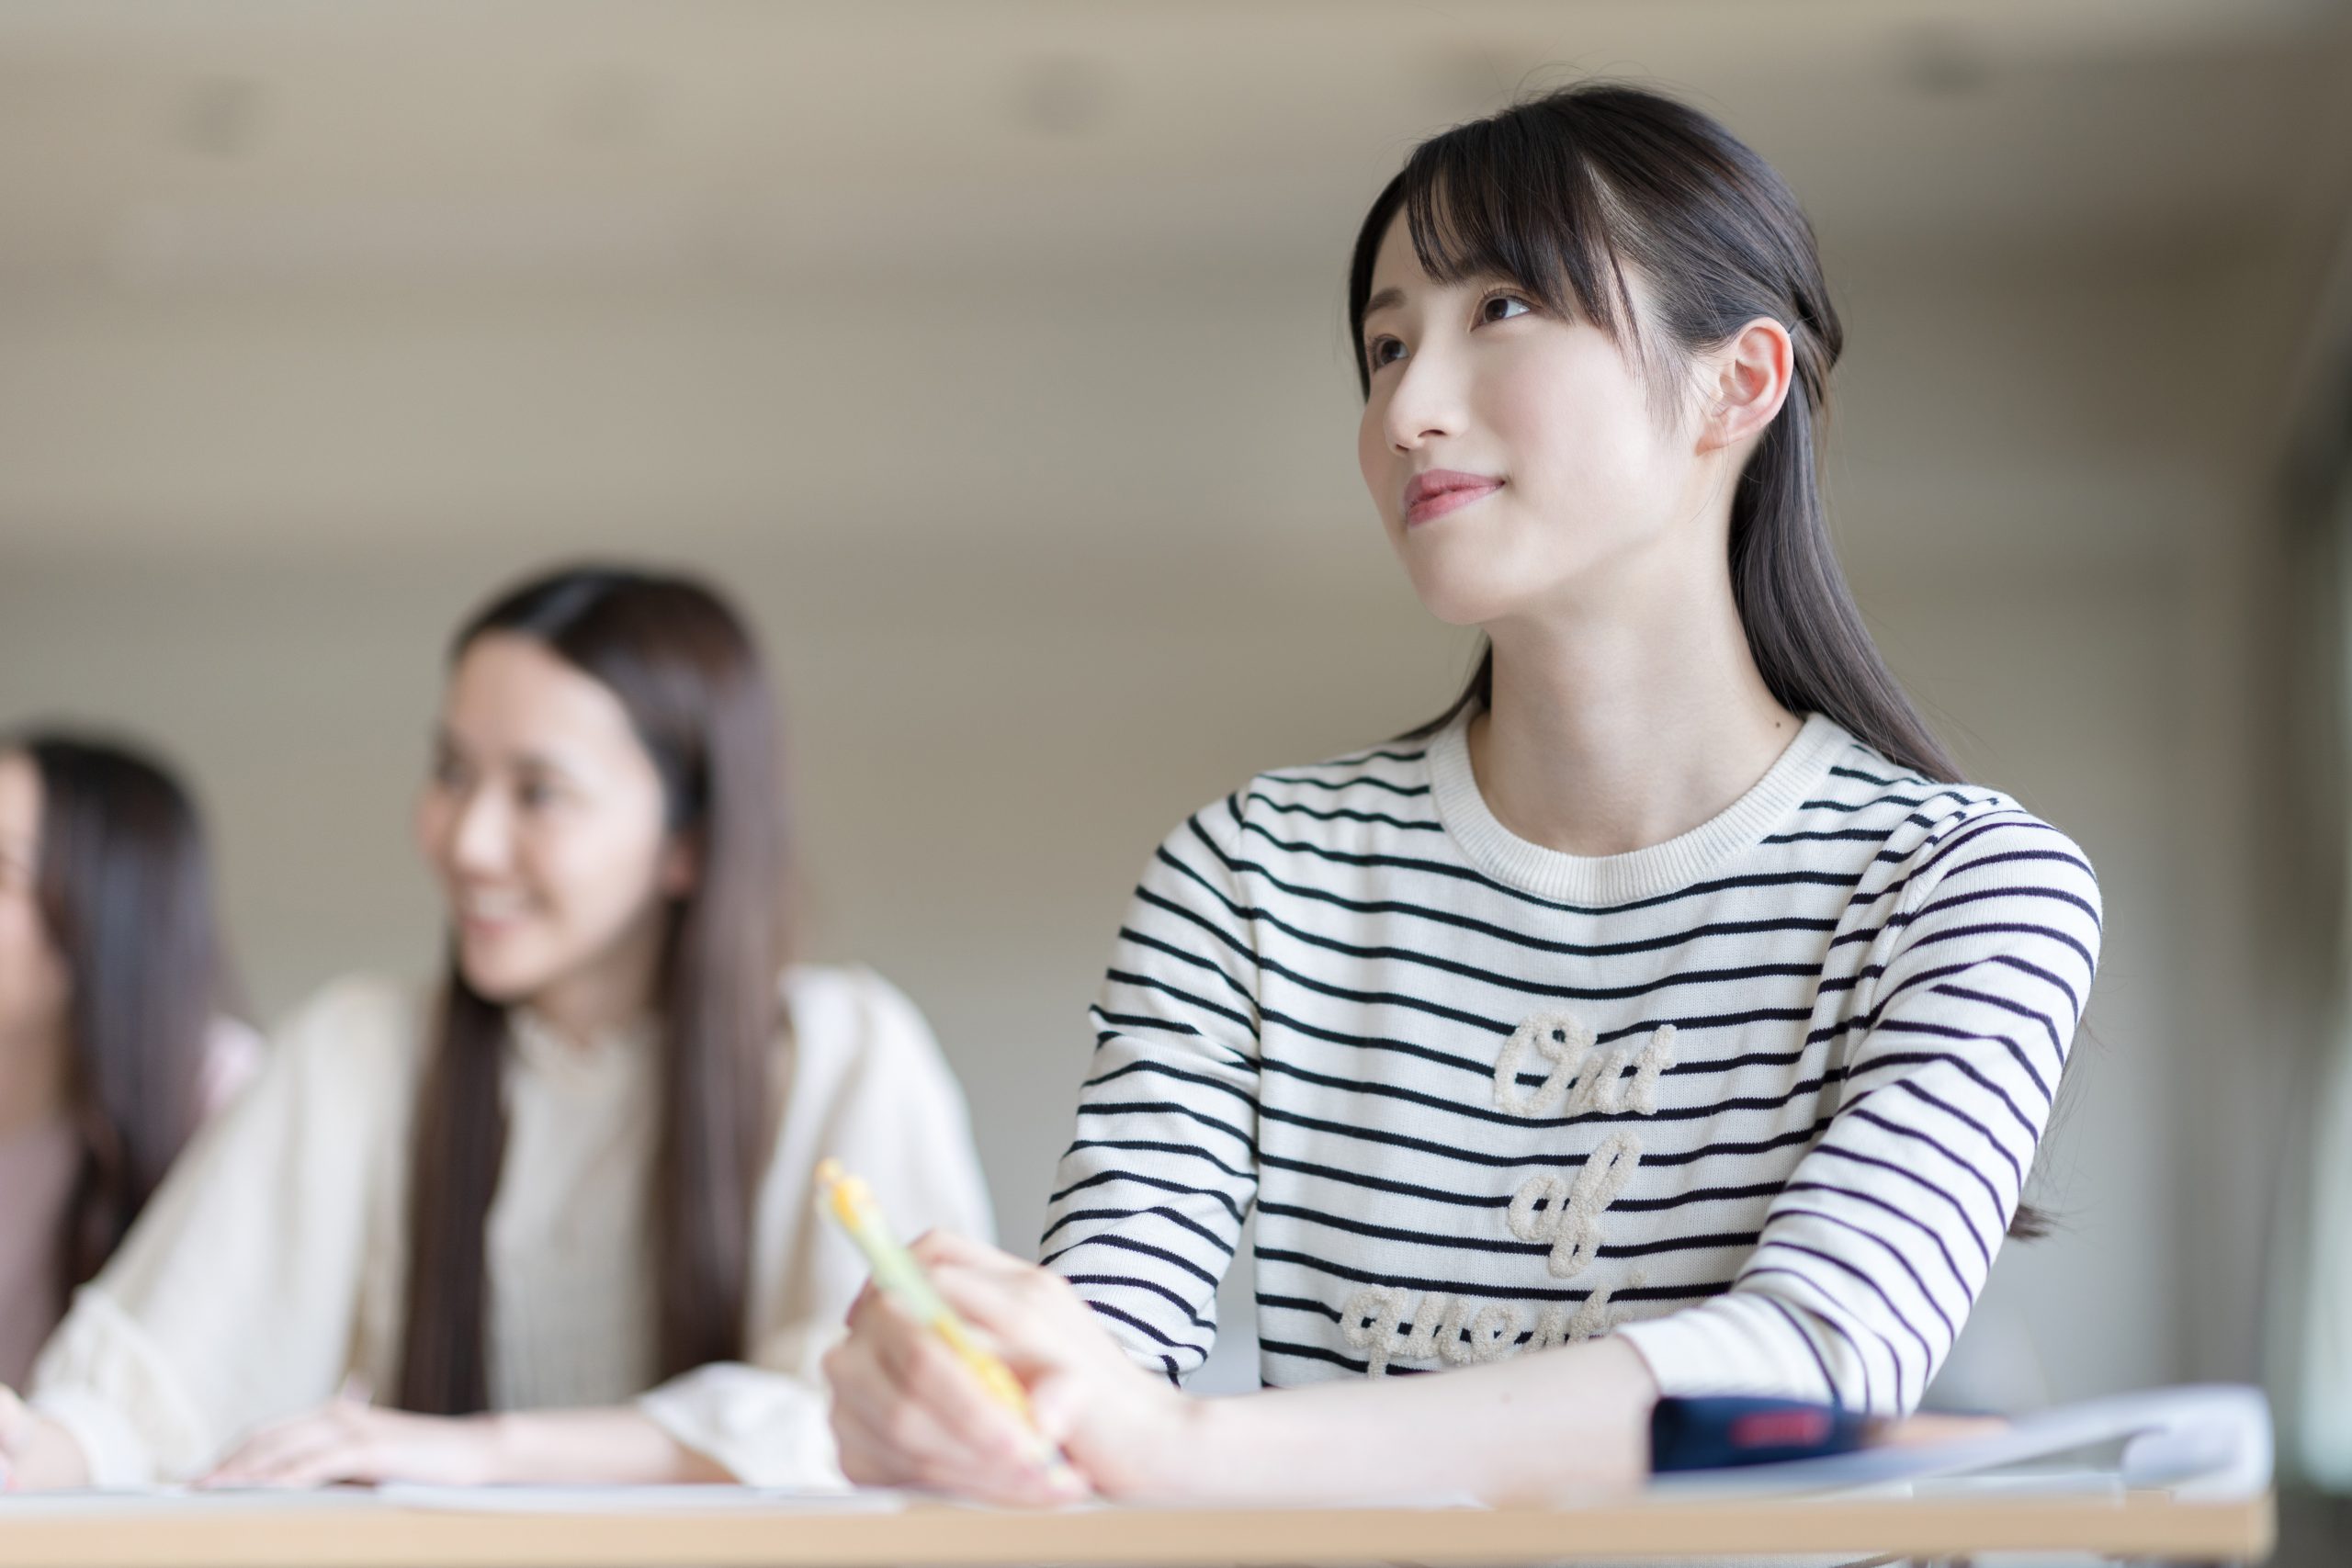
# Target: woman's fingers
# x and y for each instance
(865, 1458)
(328, 1463)
(909, 1412)
(948, 1246)
(868, 1394)
(1057, 1403)
(921, 1397)
(921, 1368)
(349, 1441)
(276, 1455)
(35, 1453)
(261, 1465)
(1010, 1305)
(1030, 1314)
(1033, 1299)
(15, 1435)
(16, 1421)
(871, 1459)
(263, 1470)
(259, 1454)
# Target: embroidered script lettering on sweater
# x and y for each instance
(1555, 1207)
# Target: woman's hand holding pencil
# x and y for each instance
(971, 1371)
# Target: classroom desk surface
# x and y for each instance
(359, 1530)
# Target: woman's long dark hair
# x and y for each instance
(125, 889)
(690, 679)
(1563, 196)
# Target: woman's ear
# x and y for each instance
(681, 868)
(1747, 380)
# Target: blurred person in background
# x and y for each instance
(118, 1033)
(1664, 1018)
(555, 1216)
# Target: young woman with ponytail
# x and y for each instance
(1665, 1017)
(550, 1220)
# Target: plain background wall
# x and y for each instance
(1056, 537)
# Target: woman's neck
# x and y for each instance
(1623, 726)
(33, 1079)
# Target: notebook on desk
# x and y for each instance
(2204, 1443)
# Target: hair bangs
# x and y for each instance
(1510, 198)
(1495, 199)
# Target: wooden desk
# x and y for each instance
(228, 1533)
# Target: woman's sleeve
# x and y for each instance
(232, 1301)
(1148, 1202)
(1874, 1251)
(878, 1096)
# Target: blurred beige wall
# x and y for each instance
(1054, 540)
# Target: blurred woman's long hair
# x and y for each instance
(125, 890)
(688, 676)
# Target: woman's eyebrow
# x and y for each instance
(1387, 299)
(547, 764)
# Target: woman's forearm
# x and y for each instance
(1573, 1419)
(617, 1445)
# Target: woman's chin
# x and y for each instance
(1460, 604)
(1461, 588)
(500, 977)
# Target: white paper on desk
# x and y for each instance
(606, 1501)
(183, 1501)
(2208, 1443)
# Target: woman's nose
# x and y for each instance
(479, 840)
(1425, 405)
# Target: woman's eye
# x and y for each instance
(1502, 307)
(1383, 351)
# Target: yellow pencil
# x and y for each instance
(851, 1202)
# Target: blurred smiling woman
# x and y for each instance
(557, 1222)
(1664, 1018)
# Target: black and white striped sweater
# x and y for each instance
(1760, 1098)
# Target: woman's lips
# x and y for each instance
(474, 928)
(1432, 495)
